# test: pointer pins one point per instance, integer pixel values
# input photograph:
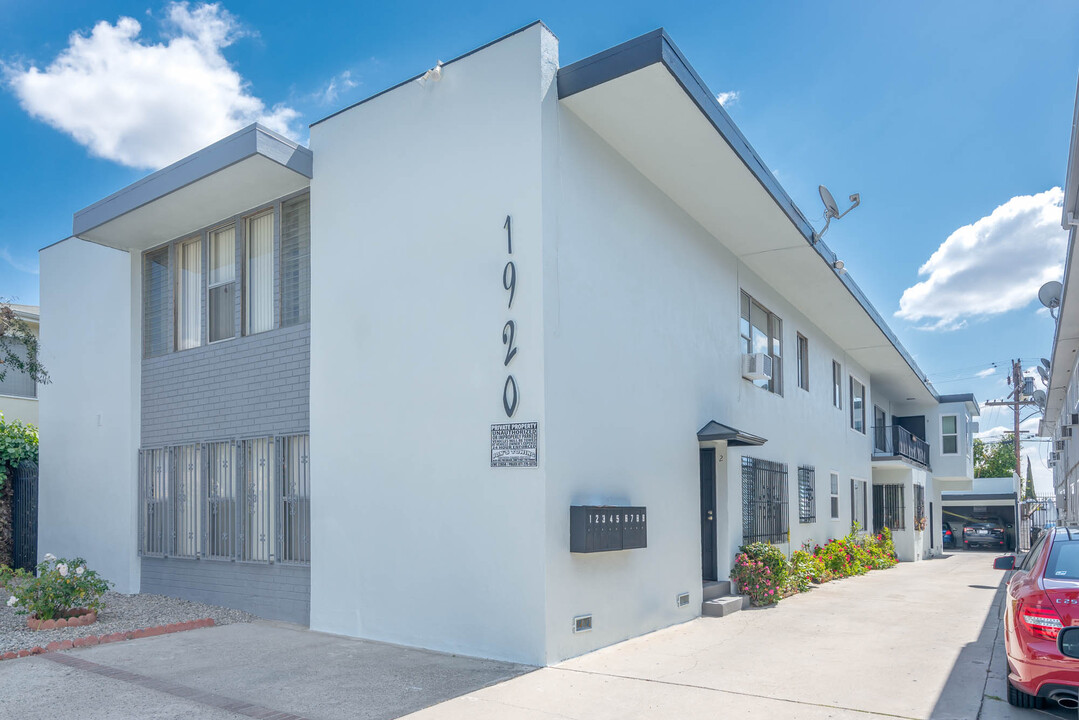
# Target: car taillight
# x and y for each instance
(1039, 618)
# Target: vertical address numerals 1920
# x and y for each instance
(511, 395)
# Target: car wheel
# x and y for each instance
(1021, 699)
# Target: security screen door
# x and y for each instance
(858, 503)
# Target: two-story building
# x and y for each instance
(1061, 418)
(18, 391)
(420, 382)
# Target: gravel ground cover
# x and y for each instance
(121, 614)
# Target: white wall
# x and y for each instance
(960, 465)
(416, 539)
(642, 341)
(89, 412)
(19, 408)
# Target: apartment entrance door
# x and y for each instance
(708, 514)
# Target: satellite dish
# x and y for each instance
(1045, 363)
(1039, 398)
(1044, 375)
(1049, 294)
(831, 210)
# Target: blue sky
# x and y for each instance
(937, 113)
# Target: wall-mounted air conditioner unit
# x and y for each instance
(1054, 456)
(757, 366)
(1059, 444)
(1072, 419)
(1065, 431)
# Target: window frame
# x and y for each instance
(177, 294)
(802, 360)
(807, 496)
(774, 335)
(245, 273)
(944, 435)
(864, 400)
(833, 493)
(837, 384)
(211, 236)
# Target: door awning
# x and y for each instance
(718, 431)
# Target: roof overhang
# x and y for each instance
(980, 498)
(718, 432)
(1066, 336)
(246, 169)
(967, 399)
(645, 100)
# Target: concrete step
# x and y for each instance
(713, 589)
(723, 606)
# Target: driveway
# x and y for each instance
(918, 641)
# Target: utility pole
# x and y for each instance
(1015, 403)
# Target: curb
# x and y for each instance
(91, 640)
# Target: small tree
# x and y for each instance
(1028, 492)
(993, 460)
(19, 347)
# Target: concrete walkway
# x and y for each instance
(919, 641)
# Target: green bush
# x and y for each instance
(761, 572)
(803, 568)
(59, 586)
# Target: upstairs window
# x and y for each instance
(837, 385)
(296, 261)
(835, 495)
(857, 405)
(155, 303)
(949, 427)
(258, 274)
(222, 282)
(189, 294)
(761, 332)
(803, 362)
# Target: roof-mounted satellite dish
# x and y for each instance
(1044, 375)
(1049, 296)
(831, 209)
(1039, 398)
(1045, 363)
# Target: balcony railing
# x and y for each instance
(897, 441)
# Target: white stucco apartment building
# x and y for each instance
(362, 385)
(1061, 418)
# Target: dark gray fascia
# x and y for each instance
(718, 431)
(657, 47)
(977, 496)
(961, 398)
(252, 140)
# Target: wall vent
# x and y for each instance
(582, 623)
(682, 600)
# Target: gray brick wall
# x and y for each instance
(254, 385)
(277, 592)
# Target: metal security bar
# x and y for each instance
(897, 441)
(294, 500)
(807, 501)
(888, 508)
(764, 501)
(919, 503)
(245, 500)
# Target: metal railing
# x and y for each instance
(245, 500)
(897, 441)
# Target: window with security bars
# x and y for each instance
(888, 508)
(764, 501)
(807, 501)
(919, 505)
(296, 261)
(245, 500)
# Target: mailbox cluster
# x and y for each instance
(600, 528)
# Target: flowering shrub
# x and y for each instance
(804, 567)
(761, 572)
(60, 585)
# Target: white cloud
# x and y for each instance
(986, 373)
(146, 104)
(728, 98)
(341, 81)
(29, 268)
(992, 266)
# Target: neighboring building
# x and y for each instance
(18, 391)
(362, 385)
(983, 498)
(1061, 418)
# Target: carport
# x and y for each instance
(961, 507)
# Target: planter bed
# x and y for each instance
(122, 614)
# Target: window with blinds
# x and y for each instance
(189, 294)
(296, 261)
(17, 383)
(155, 303)
(222, 308)
(258, 274)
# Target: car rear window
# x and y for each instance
(1063, 561)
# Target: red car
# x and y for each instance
(1043, 598)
